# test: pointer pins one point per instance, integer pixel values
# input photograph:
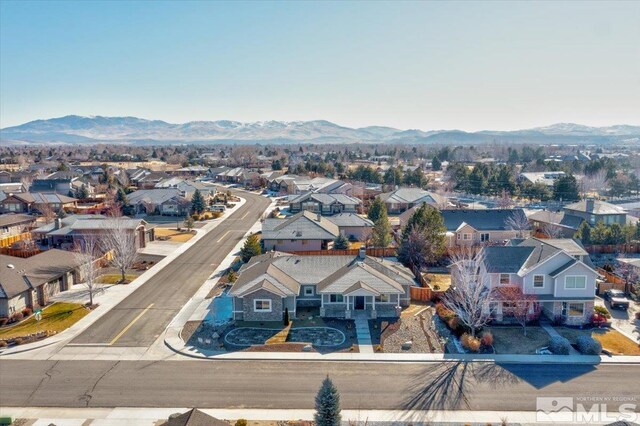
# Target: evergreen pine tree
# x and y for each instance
(341, 243)
(584, 233)
(327, 405)
(436, 164)
(429, 223)
(121, 197)
(375, 209)
(197, 203)
(381, 235)
(251, 248)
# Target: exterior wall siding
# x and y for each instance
(276, 307)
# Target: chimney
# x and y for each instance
(362, 253)
(58, 224)
(590, 204)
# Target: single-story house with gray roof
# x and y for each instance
(30, 282)
(300, 232)
(340, 286)
(325, 204)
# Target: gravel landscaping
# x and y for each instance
(411, 333)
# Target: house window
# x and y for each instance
(576, 309)
(466, 236)
(484, 237)
(262, 305)
(383, 298)
(505, 279)
(308, 291)
(457, 236)
(575, 282)
(538, 281)
(336, 298)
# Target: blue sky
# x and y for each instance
(437, 65)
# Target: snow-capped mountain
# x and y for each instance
(78, 129)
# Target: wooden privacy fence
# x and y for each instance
(374, 252)
(612, 248)
(610, 278)
(602, 287)
(19, 252)
(421, 294)
(10, 240)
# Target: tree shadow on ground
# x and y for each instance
(542, 375)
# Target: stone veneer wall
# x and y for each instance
(276, 307)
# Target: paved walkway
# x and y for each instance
(553, 333)
(364, 336)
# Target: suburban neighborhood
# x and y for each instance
(312, 213)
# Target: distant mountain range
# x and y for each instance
(73, 129)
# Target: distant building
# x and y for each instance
(402, 199)
(545, 178)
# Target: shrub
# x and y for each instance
(598, 320)
(587, 345)
(3, 344)
(3, 321)
(559, 345)
(470, 342)
(18, 316)
(26, 312)
(241, 422)
(487, 339)
(456, 326)
(18, 341)
(444, 313)
(602, 311)
(558, 320)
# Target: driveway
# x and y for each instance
(624, 321)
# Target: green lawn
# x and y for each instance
(57, 317)
(114, 278)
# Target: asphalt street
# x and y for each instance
(142, 317)
(293, 385)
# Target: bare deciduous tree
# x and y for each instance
(505, 201)
(519, 222)
(521, 307)
(468, 297)
(86, 252)
(120, 241)
(47, 212)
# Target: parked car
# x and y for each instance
(217, 208)
(616, 299)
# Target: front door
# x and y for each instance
(358, 304)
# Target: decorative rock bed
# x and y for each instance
(317, 336)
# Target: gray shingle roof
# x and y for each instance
(15, 219)
(412, 195)
(481, 220)
(505, 259)
(304, 225)
(349, 220)
(599, 207)
(562, 219)
(33, 271)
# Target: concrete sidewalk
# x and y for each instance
(150, 416)
(113, 296)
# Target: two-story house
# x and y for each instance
(325, 204)
(557, 271)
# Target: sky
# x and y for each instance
(425, 65)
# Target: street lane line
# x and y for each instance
(222, 238)
(124, 330)
(245, 215)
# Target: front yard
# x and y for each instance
(612, 340)
(55, 318)
(307, 333)
(172, 234)
(115, 278)
(413, 332)
(511, 340)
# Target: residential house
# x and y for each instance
(353, 226)
(27, 202)
(71, 231)
(402, 199)
(567, 221)
(557, 271)
(15, 224)
(146, 179)
(30, 282)
(189, 187)
(594, 211)
(545, 178)
(298, 185)
(63, 186)
(340, 286)
(164, 201)
(302, 231)
(471, 227)
(325, 204)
